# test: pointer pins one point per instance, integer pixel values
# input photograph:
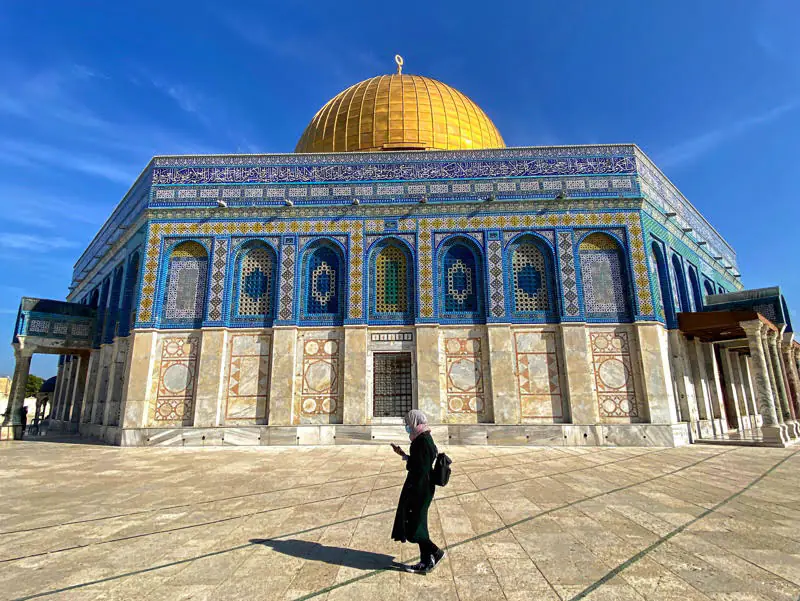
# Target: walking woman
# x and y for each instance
(411, 520)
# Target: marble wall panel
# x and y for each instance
(320, 387)
(538, 376)
(177, 374)
(613, 374)
(248, 377)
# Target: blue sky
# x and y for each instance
(91, 90)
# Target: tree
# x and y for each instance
(33, 385)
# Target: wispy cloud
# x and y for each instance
(30, 206)
(700, 145)
(34, 242)
(30, 154)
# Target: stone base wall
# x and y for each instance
(571, 384)
(640, 435)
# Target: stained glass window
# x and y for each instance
(460, 280)
(529, 279)
(256, 269)
(186, 285)
(391, 282)
(322, 282)
(605, 289)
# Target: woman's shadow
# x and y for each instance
(349, 558)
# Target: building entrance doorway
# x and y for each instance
(392, 392)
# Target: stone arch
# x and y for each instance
(530, 279)
(697, 295)
(391, 277)
(187, 276)
(461, 279)
(604, 275)
(323, 282)
(682, 294)
(255, 273)
(663, 284)
(127, 317)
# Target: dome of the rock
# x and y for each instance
(399, 112)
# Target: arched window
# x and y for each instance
(323, 278)
(102, 309)
(391, 295)
(697, 296)
(720, 290)
(605, 278)
(531, 279)
(461, 280)
(127, 314)
(110, 326)
(662, 284)
(254, 292)
(680, 285)
(709, 288)
(186, 284)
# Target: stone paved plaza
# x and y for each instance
(92, 522)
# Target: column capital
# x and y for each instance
(753, 327)
(772, 337)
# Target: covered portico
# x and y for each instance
(759, 381)
(49, 327)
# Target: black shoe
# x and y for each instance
(436, 559)
(417, 568)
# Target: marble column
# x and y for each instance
(17, 396)
(583, 406)
(715, 389)
(282, 379)
(657, 373)
(682, 373)
(744, 408)
(732, 385)
(789, 350)
(744, 362)
(59, 385)
(356, 391)
(702, 385)
(80, 389)
(790, 370)
(429, 389)
(783, 407)
(772, 430)
(66, 400)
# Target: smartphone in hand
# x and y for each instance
(398, 450)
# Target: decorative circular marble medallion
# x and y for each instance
(309, 406)
(463, 374)
(312, 347)
(613, 373)
(320, 376)
(176, 378)
(330, 347)
(453, 345)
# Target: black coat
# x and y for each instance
(411, 519)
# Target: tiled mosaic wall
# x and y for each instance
(448, 288)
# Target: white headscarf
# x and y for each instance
(418, 422)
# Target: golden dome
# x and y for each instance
(399, 112)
